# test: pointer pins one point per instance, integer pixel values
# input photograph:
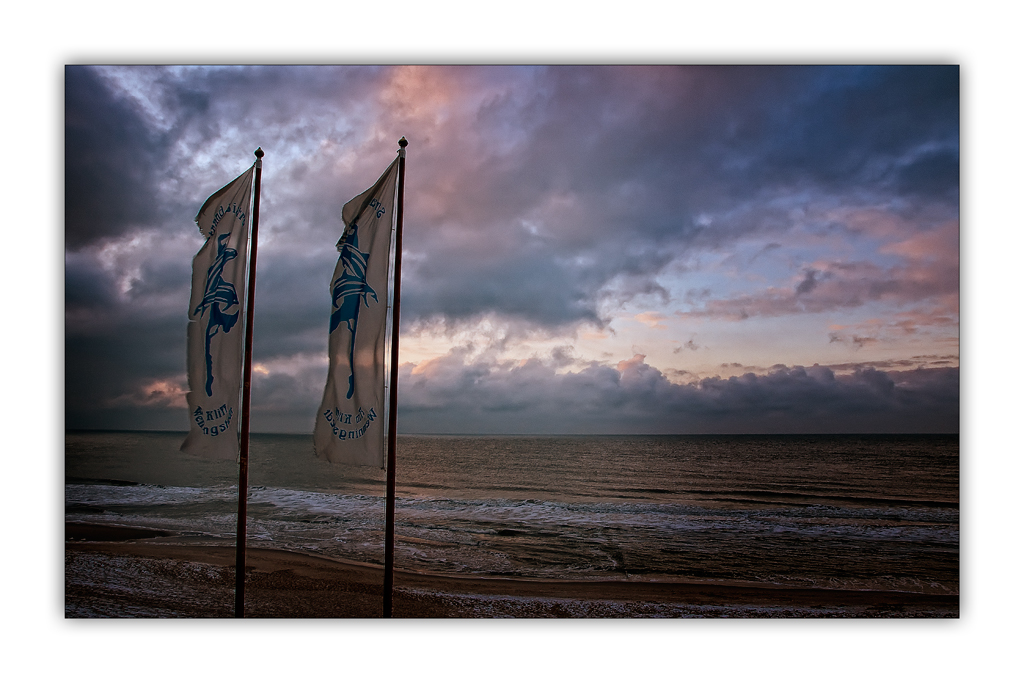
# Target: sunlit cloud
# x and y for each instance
(651, 319)
(928, 270)
(163, 393)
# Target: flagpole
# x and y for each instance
(389, 504)
(243, 450)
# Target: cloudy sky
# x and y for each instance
(587, 249)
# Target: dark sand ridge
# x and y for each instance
(122, 572)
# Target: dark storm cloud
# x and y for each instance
(112, 161)
(130, 165)
(562, 180)
(87, 287)
(809, 282)
(455, 395)
(932, 174)
(527, 282)
(157, 277)
(834, 126)
(615, 164)
(294, 304)
(119, 360)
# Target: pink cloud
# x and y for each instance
(928, 272)
(161, 393)
(652, 319)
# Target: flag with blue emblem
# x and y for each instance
(216, 324)
(350, 425)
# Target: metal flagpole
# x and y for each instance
(389, 505)
(243, 450)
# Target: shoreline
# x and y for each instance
(128, 572)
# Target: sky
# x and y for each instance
(588, 249)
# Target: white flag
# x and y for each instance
(216, 327)
(350, 423)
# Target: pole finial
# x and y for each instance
(259, 152)
(403, 143)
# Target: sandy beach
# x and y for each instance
(124, 572)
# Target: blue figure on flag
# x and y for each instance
(220, 295)
(350, 288)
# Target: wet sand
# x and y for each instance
(122, 572)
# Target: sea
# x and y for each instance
(864, 512)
